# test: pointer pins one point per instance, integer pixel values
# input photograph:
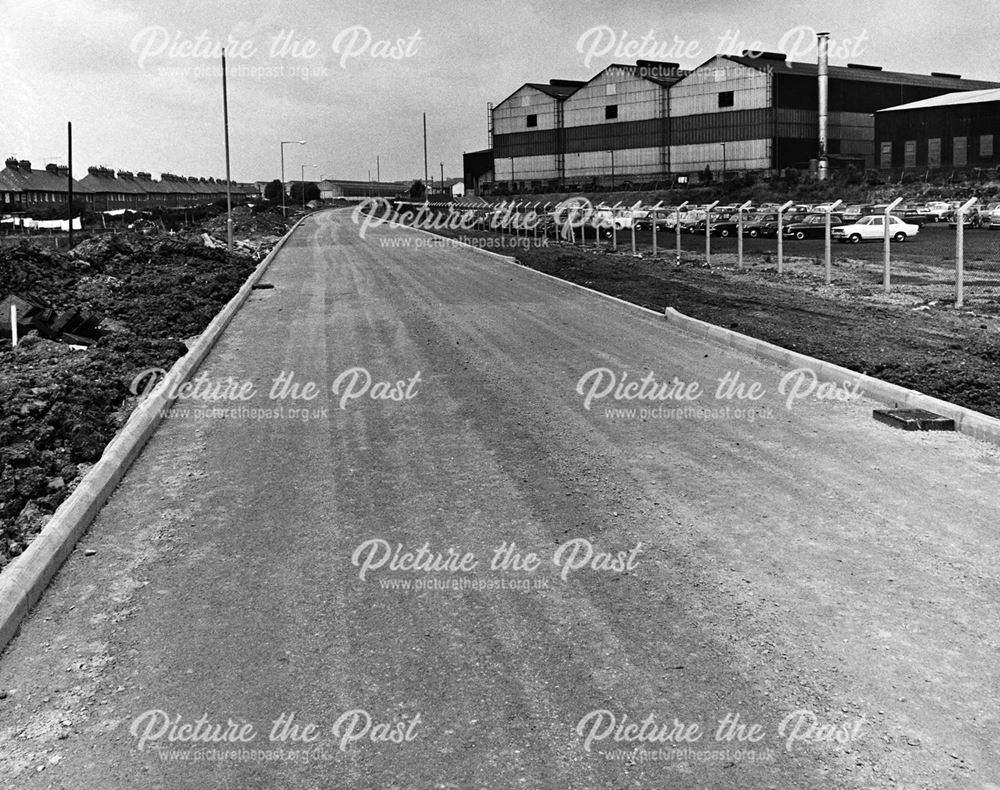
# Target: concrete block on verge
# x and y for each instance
(972, 423)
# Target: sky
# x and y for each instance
(141, 81)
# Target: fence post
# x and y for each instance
(781, 240)
(13, 324)
(827, 245)
(634, 210)
(885, 244)
(739, 232)
(960, 250)
(652, 213)
(677, 228)
(708, 233)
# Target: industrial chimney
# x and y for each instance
(823, 45)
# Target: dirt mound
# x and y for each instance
(59, 407)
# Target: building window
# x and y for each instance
(885, 156)
(610, 89)
(910, 154)
(934, 152)
(960, 152)
(726, 99)
(610, 111)
(986, 146)
(525, 101)
(532, 120)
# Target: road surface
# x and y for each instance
(457, 560)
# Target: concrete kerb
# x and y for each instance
(972, 423)
(25, 579)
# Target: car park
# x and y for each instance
(872, 228)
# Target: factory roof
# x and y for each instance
(661, 73)
(950, 99)
(557, 89)
(777, 64)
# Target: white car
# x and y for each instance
(873, 228)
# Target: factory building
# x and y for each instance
(528, 133)
(618, 122)
(651, 122)
(953, 131)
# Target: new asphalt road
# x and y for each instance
(427, 519)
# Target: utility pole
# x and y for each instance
(378, 171)
(442, 176)
(425, 149)
(69, 179)
(229, 187)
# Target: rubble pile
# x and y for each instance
(120, 303)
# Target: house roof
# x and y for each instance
(24, 179)
(950, 99)
(103, 179)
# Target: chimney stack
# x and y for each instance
(823, 71)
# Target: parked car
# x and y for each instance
(974, 219)
(769, 229)
(873, 228)
(812, 227)
(753, 226)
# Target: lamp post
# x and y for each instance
(612, 152)
(723, 161)
(283, 144)
(302, 184)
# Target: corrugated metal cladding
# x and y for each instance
(634, 134)
(527, 104)
(525, 168)
(636, 98)
(627, 163)
(721, 127)
(960, 135)
(856, 95)
(740, 155)
(702, 90)
(526, 143)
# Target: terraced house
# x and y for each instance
(23, 188)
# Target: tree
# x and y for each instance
(272, 192)
(418, 191)
(295, 192)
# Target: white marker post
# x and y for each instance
(960, 250)
(828, 251)
(739, 231)
(708, 233)
(677, 228)
(781, 248)
(652, 213)
(885, 244)
(13, 324)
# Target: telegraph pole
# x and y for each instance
(69, 179)
(425, 150)
(229, 188)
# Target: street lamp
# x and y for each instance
(283, 144)
(723, 161)
(302, 184)
(612, 152)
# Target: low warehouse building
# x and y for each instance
(953, 131)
